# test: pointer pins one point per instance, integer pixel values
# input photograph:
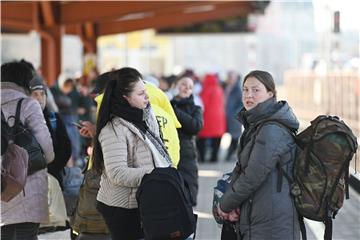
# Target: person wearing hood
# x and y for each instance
(190, 117)
(21, 216)
(258, 197)
(212, 96)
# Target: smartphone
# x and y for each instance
(78, 125)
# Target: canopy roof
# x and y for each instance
(92, 19)
(109, 17)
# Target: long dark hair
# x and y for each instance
(121, 82)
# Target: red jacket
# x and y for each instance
(212, 96)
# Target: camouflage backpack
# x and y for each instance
(321, 169)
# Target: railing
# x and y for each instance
(334, 93)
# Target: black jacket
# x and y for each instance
(61, 143)
(190, 117)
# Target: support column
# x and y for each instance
(88, 35)
(51, 54)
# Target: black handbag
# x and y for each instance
(24, 138)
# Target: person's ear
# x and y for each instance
(271, 94)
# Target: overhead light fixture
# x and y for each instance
(198, 9)
(135, 16)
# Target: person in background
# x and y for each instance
(190, 117)
(233, 105)
(264, 211)
(212, 96)
(59, 136)
(21, 217)
(127, 146)
(67, 110)
(50, 101)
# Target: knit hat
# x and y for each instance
(37, 83)
(265, 78)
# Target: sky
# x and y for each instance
(349, 14)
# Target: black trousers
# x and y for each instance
(20, 231)
(228, 232)
(232, 148)
(214, 144)
(123, 223)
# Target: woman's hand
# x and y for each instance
(232, 216)
(88, 129)
(223, 215)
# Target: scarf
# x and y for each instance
(139, 118)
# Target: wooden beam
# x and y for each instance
(173, 20)
(88, 36)
(16, 16)
(16, 11)
(51, 54)
(16, 25)
(79, 12)
(89, 30)
(47, 13)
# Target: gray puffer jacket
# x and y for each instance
(265, 213)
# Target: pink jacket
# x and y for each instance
(32, 204)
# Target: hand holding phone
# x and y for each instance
(78, 125)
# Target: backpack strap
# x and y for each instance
(302, 227)
(17, 113)
(3, 119)
(17, 117)
(328, 223)
(281, 172)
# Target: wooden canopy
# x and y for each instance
(92, 19)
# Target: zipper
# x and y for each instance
(249, 216)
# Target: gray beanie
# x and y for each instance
(37, 83)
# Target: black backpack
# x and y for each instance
(24, 138)
(165, 206)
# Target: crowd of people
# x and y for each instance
(122, 125)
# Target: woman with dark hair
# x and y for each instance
(127, 146)
(21, 217)
(258, 197)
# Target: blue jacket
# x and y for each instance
(233, 106)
